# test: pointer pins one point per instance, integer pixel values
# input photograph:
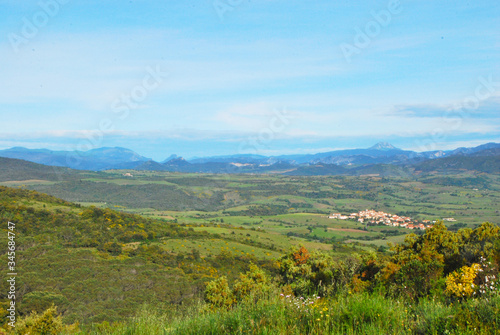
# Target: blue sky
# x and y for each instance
(214, 77)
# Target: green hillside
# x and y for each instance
(191, 272)
(102, 265)
(17, 169)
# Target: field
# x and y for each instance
(263, 215)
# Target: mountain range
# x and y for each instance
(380, 158)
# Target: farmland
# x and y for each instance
(272, 212)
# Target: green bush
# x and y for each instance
(46, 323)
(218, 295)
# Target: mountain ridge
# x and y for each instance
(107, 158)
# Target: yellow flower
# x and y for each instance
(460, 283)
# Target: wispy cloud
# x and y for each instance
(225, 79)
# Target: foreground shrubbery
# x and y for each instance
(360, 313)
(438, 283)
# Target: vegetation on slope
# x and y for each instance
(438, 283)
(98, 264)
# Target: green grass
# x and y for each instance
(344, 314)
(214, 246)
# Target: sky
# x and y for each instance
(217, 77)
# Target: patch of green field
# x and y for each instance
(214, 246)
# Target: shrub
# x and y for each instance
(460, 283)
(254, 281)
(47, 323)
(218, 295)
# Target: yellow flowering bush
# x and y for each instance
(460, 283)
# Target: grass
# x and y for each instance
(216, 246)
(347, 313)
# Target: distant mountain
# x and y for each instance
(150, 166)
(179, 161)
(470, 151)
(95, 159)
(487, 160)
(382, 152)
(383, 146)
(487, 152)
(356, 161)
(169, 158)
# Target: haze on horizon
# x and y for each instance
(221, 77)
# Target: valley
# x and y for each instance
(158, 237)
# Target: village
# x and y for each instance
(374, 217)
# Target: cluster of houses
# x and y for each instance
(373, 217)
